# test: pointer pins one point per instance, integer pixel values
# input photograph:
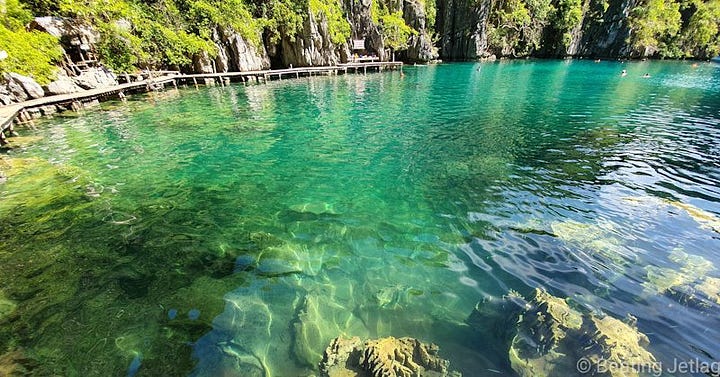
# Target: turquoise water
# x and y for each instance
(235, 231)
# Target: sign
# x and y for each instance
(358, 44)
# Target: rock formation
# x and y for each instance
(550, 337)
(420, 46)
(385, 357)
(312, 47)
(234, 54)
(15, 88)
(602, 31)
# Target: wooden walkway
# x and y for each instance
(8, 114)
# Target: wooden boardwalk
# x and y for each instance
(8, 114)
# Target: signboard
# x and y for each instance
(358, 44)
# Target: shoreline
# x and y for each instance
(28, 110)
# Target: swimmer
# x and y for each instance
(646, 76)
(624, 73)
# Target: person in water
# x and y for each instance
(624, 73)
(647, 75)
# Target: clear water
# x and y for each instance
(225, 231)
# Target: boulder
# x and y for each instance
(95, 78)
(31, 88)
(386, 357)
(63, 85)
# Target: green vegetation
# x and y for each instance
(654, 23)
(338, 26)
(677, 28)
(395, 31)
(29, 53)
(663, 28)
(516, 26)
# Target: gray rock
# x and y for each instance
(95, 78)
(420, 46)
(63, 85)
(28, 85)
(363, 27)
(312, 47)
(66, 29)
(235, 54)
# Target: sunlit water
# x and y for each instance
(236, 230)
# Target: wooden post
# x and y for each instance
(195, 81)
(297, 74)
(364, 70)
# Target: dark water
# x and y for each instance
(233, 230)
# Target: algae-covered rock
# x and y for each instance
(551, 337)
(598, 241)
(385, 357)
(536, 349)
(687, 283)
(616, 344)
(704, 218)
(16, 363)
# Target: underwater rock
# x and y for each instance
(599, 239)
(551, 338)
(688, 284)
(320, 319)
(385, 357)
(535, 350)
(290, 258)
(706, 219)
(616, 344)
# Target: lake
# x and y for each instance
(237, 230)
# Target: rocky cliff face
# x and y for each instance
(363, 27)
(602, 32)
(234, 54)
(462, 26)
(313, 46)
(420, 46)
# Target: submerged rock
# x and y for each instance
(551, 337)
(319, 319)
(385, 357)
(688, 283)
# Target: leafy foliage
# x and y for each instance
(396, 32)
(654, 23)
(517, 26)
(338, 26)
(29, 53)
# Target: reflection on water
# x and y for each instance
(238, 230)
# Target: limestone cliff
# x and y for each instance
(420, 46)
(312, 47)
(234, 54)
(602, 31)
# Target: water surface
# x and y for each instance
(237, 230)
